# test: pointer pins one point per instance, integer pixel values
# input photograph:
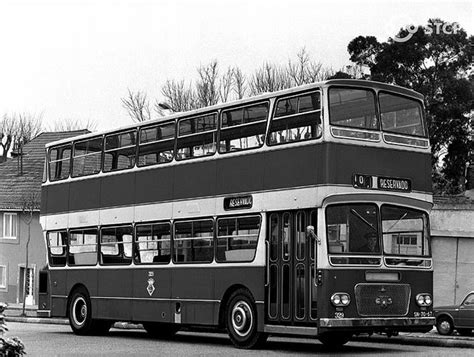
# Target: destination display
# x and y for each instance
(381, 183)
(238, 202)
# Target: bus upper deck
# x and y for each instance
(320, 135)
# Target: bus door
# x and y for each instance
(291, 294)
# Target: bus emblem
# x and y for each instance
(151, 287)
(384, 301)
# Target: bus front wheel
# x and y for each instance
(241, 321)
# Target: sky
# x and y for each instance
(75, 60)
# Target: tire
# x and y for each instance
(241, 321)
(80, 315)
(160, 330)
(80, 312)
(335, 339)
(465, 331)
(444, 325)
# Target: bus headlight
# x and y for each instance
(424, 300)
(340, 299)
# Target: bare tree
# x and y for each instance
(304, 70)
(17, 127)
(179, 97)
(269, 78)
(226, 83)
(207, 90)
(30, 205)
(72, 124)
(137, 106)
(240, 83)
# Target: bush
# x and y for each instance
(9, 347)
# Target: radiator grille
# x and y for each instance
(382, 299)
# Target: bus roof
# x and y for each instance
(264, 96)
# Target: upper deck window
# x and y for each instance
(87, 157)
(120, 150)
(59, 162)
(353, 108)
(296, 118)
(243, 128)
(197, 137)
(401, 115)
(156, 144)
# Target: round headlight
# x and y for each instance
(336, 299)
(345, 299)
(428, 300)
(420, 300)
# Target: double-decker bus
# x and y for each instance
(299, 212)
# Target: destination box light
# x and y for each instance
(381, 183)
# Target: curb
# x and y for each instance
(58, 321)
(421, 340)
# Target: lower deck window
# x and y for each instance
(193, 241)
(57, 243)
(83, 247)
(116, 245)
(152, 243)
(237, 239)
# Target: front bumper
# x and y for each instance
(395, 323)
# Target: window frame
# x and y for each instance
(121, 251)
(105, 151)
(65, 247)
(422, 115)
(178, 136)
(378, 213)
(221, 128)
(173, 140)
(82, 229)
(376, 107)
(236, 217)
(4, 277)
(136, 242)
(49, 161)
(211, 238)
(428, 237)
(10, 236)
(101, 137)
(319, 91)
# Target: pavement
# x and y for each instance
(432, 338)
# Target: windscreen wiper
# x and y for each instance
(357, 214)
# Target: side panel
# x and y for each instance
(84, 194)
(152, 295)
(288, 167)
(113, 286)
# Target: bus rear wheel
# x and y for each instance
(80, 315)
(160, 330)
(241, 321)
(335, 339)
